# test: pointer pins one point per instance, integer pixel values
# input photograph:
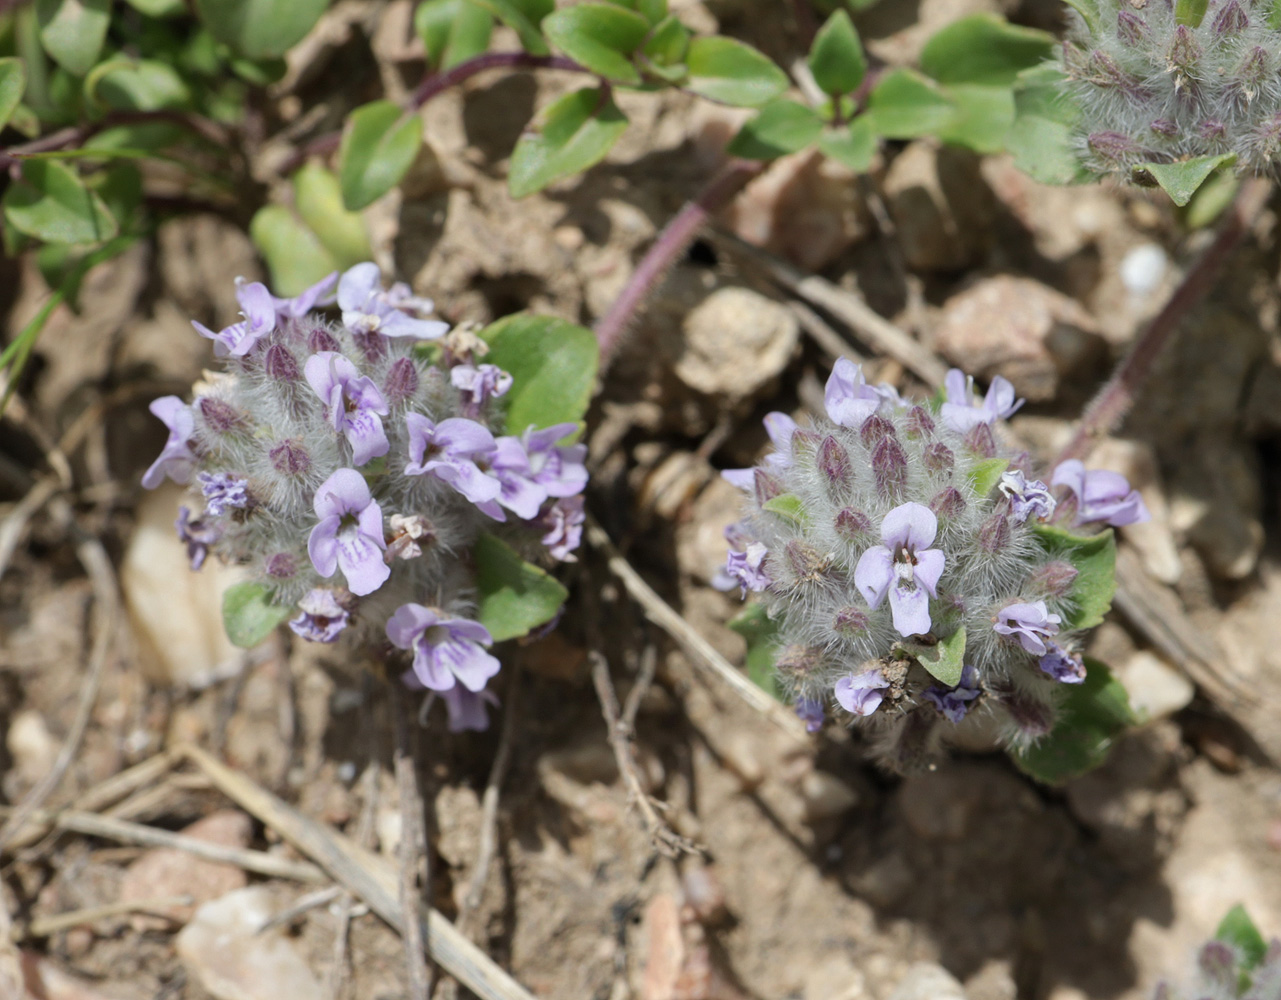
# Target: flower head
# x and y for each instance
(367, 309)
(954, 702)
(222, 491)
(1028, 498)
(1027, 624)
(477, 384)
(322, 617)
(904, 566)
(1101, 495)
(962, 411)
(556, 468)
(848, 397)
(447, 651)
(197, 535)
(450, 451)
(860, 694)
(350, 533)
(748, 568)
(355, 404)
(1064, 667)
(564, 523)
(176, 459)
(258, 307)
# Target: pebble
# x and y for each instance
(1156, 689)
(222, 948)
(1143, 269)
(837, 978)
(30, 744)
(166, 871)
(928, 981)
(735, 341)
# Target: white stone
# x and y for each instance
(223, 949)
(1155, 688)
(927, 981)
(1143, 269)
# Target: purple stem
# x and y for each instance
(671, 244)
(76, 134)
(1113, 401)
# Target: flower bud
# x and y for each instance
(804, 441)
(918, 423)
(219, 416)
(874, 429)
(402, 381)
(889, 466)
(1130, 28)
(807, 563)
(850, 623)
(1230, 20)
(1185, 50)
(321, 339)
(834, 464)
(1218, 963)
(798, 661)
(1116, 147)
(281, 566)
(290, 458)
(949, 504)
(979, 441)
(767, 487)
(1054, 579)
(938, 457)
(372, 345)
(853, 525)
(1212, 130)
(280, 364)
(994, 533)
(1251, 74)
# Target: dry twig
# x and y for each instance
(45, 926)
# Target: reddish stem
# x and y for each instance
(1113, 401)
(437, 83)
(671, 244)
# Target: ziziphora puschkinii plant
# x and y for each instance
(1237, 965)
(354, 473)
(920, 577)
(1185, 83)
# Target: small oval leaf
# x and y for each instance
(984, 49)
(781, 128)
(727, 70)
(836, 58)
(378, 147)
(294, 253)
(574, 133)
(905, 105)
(600, 36)
(553, 368)
(72, 31)
(260, 29)
(13, 81)
(1181, 180)
(318, 198)
(248, 614)
(515, 597)
(1094, 557)
(51, 203)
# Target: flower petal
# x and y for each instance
(361, 562)
(468, 662)
(357, 285)
(432, 669)
(929, 567)
(322, 545)
(911, 608)
(397, 324)
(364, 431)
(743, 479)
(345, 492)
(409, 622)
(459, 435)
(910, 524)
(874, 574)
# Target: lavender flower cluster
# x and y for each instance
(1223, 973)
(351, 475)
(880, 530)
(1151, 89)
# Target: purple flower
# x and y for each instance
(954, 702)
(350, 533)
(467, 709)
(1063, 666)
(258, 307)
(564, 524)
(176, 459)
(306, 300)
(860, 694)
(1101, 495)
(904, 566)
(447, 651)
(780, 428)
(1028, 498)
(478, 385)
(367, 309)
(355, 404)
(519, 493)
(557, 468)
(196, 535)
(810, 711)
(222, 491)
(748, 568)
(449, 451)
(322, 618)
(1028, 624)
(848, 397)
(962, 412)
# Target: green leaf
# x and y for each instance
(379, 146)
(523, 17)
(984, 476)
(852, 145)
(124, 84)
(72, 31)
(452, 31)
(1089, 11)
(1181, 180)
(760, 632)
(147, 136)
(51, 203)
(259, 72)
(836, 58)
(1190, 12)
(294, 253)
(983, 117)
(663, 54)
(984, 49)
(120, 188)
(600, 36)
(944, 660)
(1041, 136)
(553, 368)
(904, 105)
(515, 596)
(260, 29)
(248, 614)
(13, 81)
(1238, 930)
(574, 133)
(788, 506)
(1094, 557)
(729, 71)
(1091, 715)
(653, 11)
(780, 128)
(1211, 200)
(318, 198)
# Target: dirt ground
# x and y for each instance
(816, 877)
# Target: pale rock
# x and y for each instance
(836, 978)
(1020, 329)
(222, 947)
(735, 341)
(165, 872)
(806, 207)
(826, 796)
(1156, 689)
(389, 826)
(1143, 269)
(10, 960)
(928, 981)
(176, 613)
(941, 206)
(1154, 539)
(994, 981)
(31, 745)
